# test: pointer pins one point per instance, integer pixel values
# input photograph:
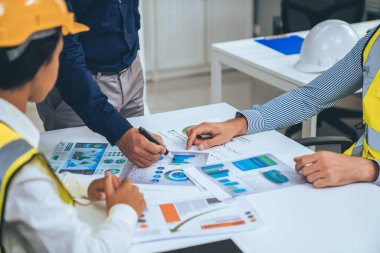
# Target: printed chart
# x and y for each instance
(236, 148)
(246, 176)
(87, 158)
(184, 158)
(167, 171)
(161, 175)
(196, 217)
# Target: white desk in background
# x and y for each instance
(298, 220)
(267, 65)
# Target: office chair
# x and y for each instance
(300, 15)
(344, 142)
(372, 9)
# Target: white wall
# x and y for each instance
(179, 33)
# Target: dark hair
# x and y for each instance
(16, 73)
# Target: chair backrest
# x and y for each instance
(299, 15)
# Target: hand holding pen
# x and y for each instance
(150, 137)
(139, 149)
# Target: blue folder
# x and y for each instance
(287, 46)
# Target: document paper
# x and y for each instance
(167, 171)
(96, 158)
(238, 147)
(245, 176)
(87, 158)
(195, 217)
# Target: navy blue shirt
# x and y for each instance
(110, 46)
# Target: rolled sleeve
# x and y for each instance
(254, 118)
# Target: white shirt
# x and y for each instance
(36, 220)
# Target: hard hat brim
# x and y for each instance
(309, 68)
(74, 28)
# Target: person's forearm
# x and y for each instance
(302, 103)
(368, 172)
(239, 125)
(80, 91)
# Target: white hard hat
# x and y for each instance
(326, 44)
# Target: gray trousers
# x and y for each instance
(124, 91)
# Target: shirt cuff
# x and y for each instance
(115, 128)
(124, 213)
(254, 118)
(77, 184)
(377, 182)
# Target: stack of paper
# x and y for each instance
(219, 177)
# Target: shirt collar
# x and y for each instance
(19, 122)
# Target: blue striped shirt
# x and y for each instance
(304, 102)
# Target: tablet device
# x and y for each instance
(225, 246)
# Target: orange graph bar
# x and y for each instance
(225, 224)
(170, 213)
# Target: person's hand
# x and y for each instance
(126, 193)
(139, 149)
(323, 169)
(95, 190)
(220, 133)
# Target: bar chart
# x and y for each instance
(219, 172)
(187, 159)
(182, 159)
(254, 174)
(253, 163)
(216, 171)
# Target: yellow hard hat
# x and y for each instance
(20, 19)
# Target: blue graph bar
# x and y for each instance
(216, 166)
(184, 156)
(258, 162)
(224, 180)
(246, 165)
(182, 159)
(239, 190)
(231, 184)
(219, 174)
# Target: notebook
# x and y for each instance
(285, 45)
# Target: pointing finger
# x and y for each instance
(210, 143)
(194, 132)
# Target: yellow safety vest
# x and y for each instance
(15, 153)
(368, 146)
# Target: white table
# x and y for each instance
(267, 65)
(300, 219)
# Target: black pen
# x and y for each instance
(147, 135)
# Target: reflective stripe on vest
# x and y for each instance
(10, 153)
(15, 153)
(368, 146)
